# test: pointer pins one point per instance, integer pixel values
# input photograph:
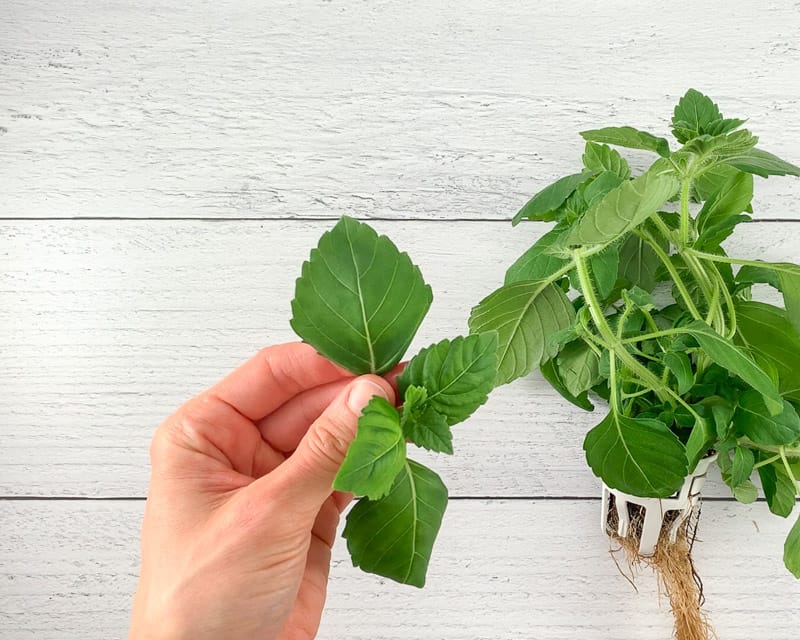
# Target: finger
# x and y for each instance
(305, 480)
(286, 426)
(273, 376)
(342, 499)
(326, 522)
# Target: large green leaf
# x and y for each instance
(791, 550)
(359, 301)
(640, 456)
(763, 163)
(693, 114)
(537, 263)
(394, 536)
(727, 355)
(377, 453)
(628, 137)
(550, 373)
(779, 489)
(723, 210)
(752, 419)
(766, 332)
(524, 314)
(458, 374)
(786, 280)
(604, 267)
(623, 209)
(578, 367)
(550, 198)
(422, 424)
(598, 158)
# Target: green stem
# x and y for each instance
(673, 272)
(612, 381)
(764, 463)
(686, 186)
(788, 468)
(614, 346)
(728, 300)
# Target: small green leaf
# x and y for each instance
(394, 536)
(640, 456)
(752, 419)
(638, 263)
(746, 493)
(600, 186)
(524, 314)
(422, 424)
(600, 157)
(578, 367)
(457, 374)
(550, 198)
(693, 114)
(604, 267)
(376, 455)
(550, 373)
(536, 263)
(723, 210)
(779, 488)
(678, 363)
(743, 462)
(766, 332)
(628, 137)
(700, 440)
(359, 301)
(749, 275)
(623, 209)
(791, 550)
(727, 355)
(762, 163)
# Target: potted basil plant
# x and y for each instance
(631, 299)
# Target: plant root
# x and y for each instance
(673, 566)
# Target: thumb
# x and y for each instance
(306, 478)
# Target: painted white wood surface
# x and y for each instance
(110, 325)
(522, 569)
(384, 109)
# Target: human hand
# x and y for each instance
(240, 516)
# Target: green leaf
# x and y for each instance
(678, 363)
(762, 163)
(727, 355)
(638, 263)
(600, 186)
(394, 536)
(722, 211)
(766, 332)
(604, 267)
(536, 263)
(550, 373)
(623, 209)
(640, 456)
(749, 275)
(422, 424)
(746, 493)
(598, 158)
(693, 114)
(752, 419)
(628, 137)
(712, 180)
(779, 488)
(743, 462)
(700, 440)
(791, 550)
(376, 455)
(788, 283)
(711, 150)
(458, 374)
(359, 301)
(578, 367)
(524, 314)
(550, 198)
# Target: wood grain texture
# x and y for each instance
(109, 326)
(519, 569)
(281, 109)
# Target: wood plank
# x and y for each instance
(420, 110)
(108, 326)
(523, 569)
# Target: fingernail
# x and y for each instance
(362, 392)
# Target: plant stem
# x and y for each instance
(614, 346)
(789, 470)
(764, 463)
(686, 186)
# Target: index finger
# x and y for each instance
(273, 376)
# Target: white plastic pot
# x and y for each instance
(655, 509)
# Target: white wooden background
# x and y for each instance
(165, 167)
